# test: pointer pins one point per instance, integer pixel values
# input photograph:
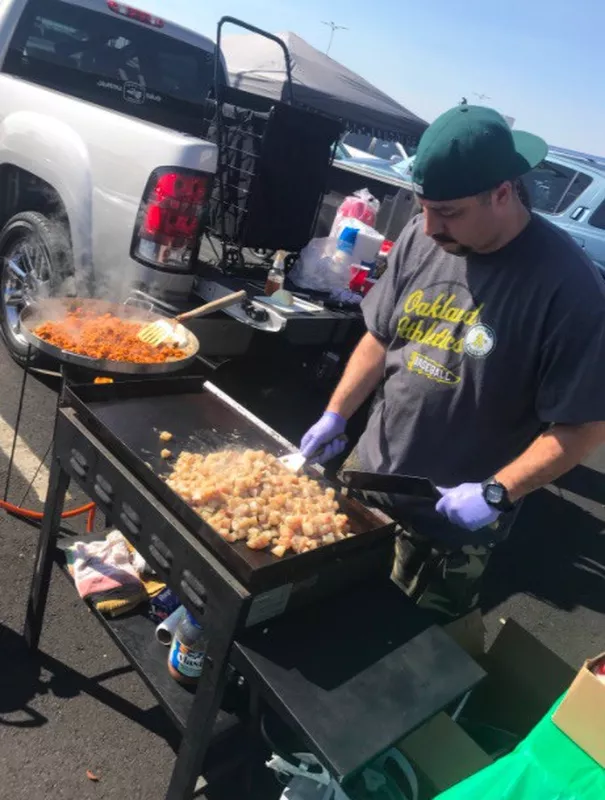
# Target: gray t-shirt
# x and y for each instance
(483, 353)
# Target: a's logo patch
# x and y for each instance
(418, 188)
(432, 370)
(479, 341)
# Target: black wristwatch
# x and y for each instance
(496, 495)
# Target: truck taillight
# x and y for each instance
(169, 219)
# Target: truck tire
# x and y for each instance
(35, 262)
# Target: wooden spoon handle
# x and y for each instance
(215, 305)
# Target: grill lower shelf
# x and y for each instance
(134, 634)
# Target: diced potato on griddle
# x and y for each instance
(250, 497)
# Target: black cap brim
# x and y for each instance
(531, 151)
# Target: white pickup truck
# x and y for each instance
(103, 176)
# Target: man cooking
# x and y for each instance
(486, 338)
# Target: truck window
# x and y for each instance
(552, 187)
(108, 60)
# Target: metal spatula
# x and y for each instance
(165, 330)
(294, 462)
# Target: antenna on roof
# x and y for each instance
(333, 28)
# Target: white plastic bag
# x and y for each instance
(309, 779)
(361, 205)
(321, 268)
(373, 782)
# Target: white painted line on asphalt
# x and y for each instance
(26, 461)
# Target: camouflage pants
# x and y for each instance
(447, 583)
(444, 579)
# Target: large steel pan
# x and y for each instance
(56, 309)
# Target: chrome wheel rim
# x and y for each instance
(25, 280)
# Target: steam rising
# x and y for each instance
(112, 283)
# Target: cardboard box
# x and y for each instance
(524, 679)
(442, 754)
(581, 715)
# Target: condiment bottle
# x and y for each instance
(186, 656)
(277, 274)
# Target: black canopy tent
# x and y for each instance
(256, 65)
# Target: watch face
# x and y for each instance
(494, 494)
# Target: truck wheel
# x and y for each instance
(35, 263)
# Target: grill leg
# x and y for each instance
(57, 489)
(206, 705)
(17, 422)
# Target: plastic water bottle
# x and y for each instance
(343, 257)
(346, 243)
(186, 656)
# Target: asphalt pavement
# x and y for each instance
(79, 707)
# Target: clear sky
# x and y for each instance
(540, 61)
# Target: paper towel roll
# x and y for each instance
(166, 630)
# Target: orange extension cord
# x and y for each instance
(89, 509)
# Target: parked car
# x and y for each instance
(103, 176)
(570, 191)
(368, 165)
(380, 148)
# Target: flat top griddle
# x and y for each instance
(129, 417)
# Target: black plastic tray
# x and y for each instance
(128, 418)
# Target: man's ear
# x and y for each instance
(503, 194)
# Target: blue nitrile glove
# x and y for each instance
(324, 433)
(465, 506)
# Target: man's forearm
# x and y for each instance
(361, 377)
(552, 454)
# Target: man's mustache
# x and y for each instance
(442, 239)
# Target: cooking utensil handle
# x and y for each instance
(215, 305)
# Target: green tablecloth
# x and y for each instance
(547, 765)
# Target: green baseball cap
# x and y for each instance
(469, 150)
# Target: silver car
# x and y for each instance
(570, 191)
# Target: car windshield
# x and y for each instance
(359, 141)
(387, 150)
(109, 60)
